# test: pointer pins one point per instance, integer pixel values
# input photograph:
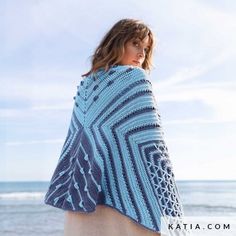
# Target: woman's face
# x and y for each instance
(135, 52)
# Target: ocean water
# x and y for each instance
(23, 212)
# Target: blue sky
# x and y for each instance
(45, 47)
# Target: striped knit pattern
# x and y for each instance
(114, 153)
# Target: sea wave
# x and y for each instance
(21, 195)
(211, 207)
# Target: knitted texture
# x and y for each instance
(114, 153)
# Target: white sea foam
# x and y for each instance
(21, 195)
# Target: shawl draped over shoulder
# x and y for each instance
(114, 153)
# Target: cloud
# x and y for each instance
(30, 21)
(44, 41)
(65, 106)
(188, 74)
(197, 121)
(219, 95)
(41, 84)
(221, 100)
(32, 142)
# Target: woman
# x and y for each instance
(114, 176)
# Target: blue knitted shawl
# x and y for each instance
(114, 153)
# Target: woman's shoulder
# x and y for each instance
(130, 76)
(117, 69)
(124, 74)
(129, 71)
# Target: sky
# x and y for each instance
(45, 47)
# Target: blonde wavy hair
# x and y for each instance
(111, 48)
